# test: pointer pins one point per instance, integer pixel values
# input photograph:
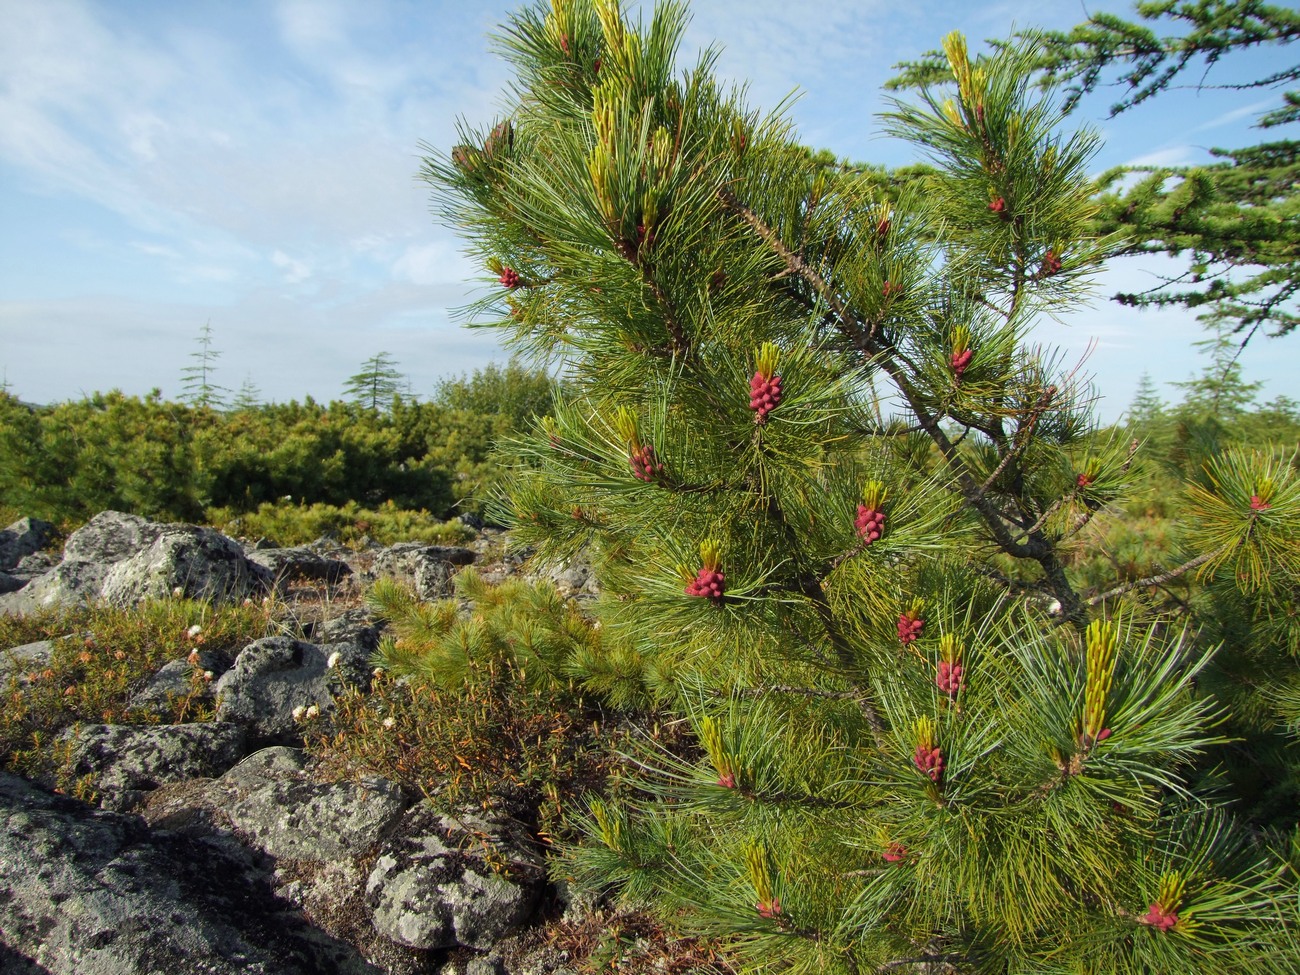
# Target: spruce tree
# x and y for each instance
(833, 501)
(377, 383)
(196, 380)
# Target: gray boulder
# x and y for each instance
(295, 817)
(274, 676)
(442, 882)
(428, 568)
(183, 678)
(24, 537)
(286, 564)
(200, 562)
(126, 761)
(18, 661)
(109, 537)
(88, 892)
(71, 581)
(271, 678)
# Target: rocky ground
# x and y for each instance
(215, 846)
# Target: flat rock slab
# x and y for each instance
(89, 892)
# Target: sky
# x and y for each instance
(250, 166)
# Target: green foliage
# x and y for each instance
(297, 524)
(930, 729)
(70, 461)
(473, 704)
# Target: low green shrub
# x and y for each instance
(296, 524)
(102, 656)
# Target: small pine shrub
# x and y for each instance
(297, 524)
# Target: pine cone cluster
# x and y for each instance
(949, 679)
(645, 465)
(909, 628)
(960, 360)
(708, 583)
(764, 396)
(929, 761)
(870, 523)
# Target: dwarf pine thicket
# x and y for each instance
(939, 729)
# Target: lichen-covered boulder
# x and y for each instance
(89, 892)
(126, 761)
(440, 881)
(428, 568)
(24, 537)
(199, 563)
(269, 680)
(109, 537)
(287, 564)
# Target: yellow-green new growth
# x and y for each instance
(765, 359)
(1101, 645)
(874, 495)
(723, 762)
(758, 861)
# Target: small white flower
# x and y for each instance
(1054, 607)
(178, 592)
(194, 631)
(313, 712)
(333, 660)
(389, 722)
(298, 712)
(207, 675)
(379, 672)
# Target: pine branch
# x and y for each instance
(1036, 547)
(1156, 580)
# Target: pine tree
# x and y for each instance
(196, 380)
(923, 745)
(376, 384)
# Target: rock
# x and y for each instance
(270, 678)
(126, 761)
(71, 581)
(434, 886)
(88, 892)
(109, 537)
(30, 657)
(428, 568)
(181, 678)
(573, 578)
(286, 564)
(200, 562)
(322, 821)
(11, 583)
(24, 537)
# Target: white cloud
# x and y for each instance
(432, 263)
(295, 272)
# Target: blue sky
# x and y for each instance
(251, 164)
